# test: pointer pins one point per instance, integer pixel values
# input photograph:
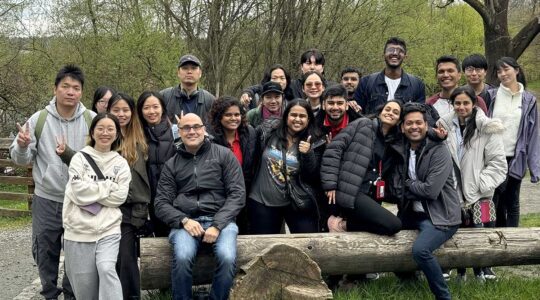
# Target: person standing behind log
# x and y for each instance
(430, 202)
(200, 192)
(475, 142)
(518, 110)
(159, 137)
(134, 149)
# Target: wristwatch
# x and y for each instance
(184, 220)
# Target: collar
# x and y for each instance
(344, 121)
(509, 92)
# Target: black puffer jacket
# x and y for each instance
(160, 149)
(346, 159)
(209, 183)
(248, 143)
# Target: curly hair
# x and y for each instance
(218, 109)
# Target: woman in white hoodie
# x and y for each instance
(475, 142)
(91, 214)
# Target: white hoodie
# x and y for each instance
(84, 188)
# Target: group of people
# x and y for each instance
(314, 155)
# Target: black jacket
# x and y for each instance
(209, 183)
(174, 97)
(248, 143)
(135, 209)
(373, 91)
(319, 119)
(160, 149)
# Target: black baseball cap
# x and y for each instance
(189, 58)
(271, 87)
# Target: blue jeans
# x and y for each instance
(429, 239)
(185, 249)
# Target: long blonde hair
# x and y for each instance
(133, 139)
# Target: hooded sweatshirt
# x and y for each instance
(49, 172)
(84, 188)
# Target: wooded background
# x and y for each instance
(133, 45)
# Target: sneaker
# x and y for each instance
(446, 274)
(480, 278)
(489, 274)
(372, 276)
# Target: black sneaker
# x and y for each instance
(489, 274)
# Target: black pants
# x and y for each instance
(370, 216)
(47, 234)
(268, 220)
(506, 201)
(126, 265)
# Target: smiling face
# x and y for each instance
(152, 111)
(121, 110)
(231, 118)
(390, 114)
(350, 81)
(104, 134)
(414, 127)
(272, 101)
(463, 106)
(394, 55)
(313, 86)
(448, 76)
(335, 107)
(68, 93)
(474, 75)
(297, 120)
(192, 132)
(507, 75)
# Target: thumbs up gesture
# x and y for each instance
(23, 138)
(304, 146)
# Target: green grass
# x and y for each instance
(14, 188)
(534, 86)
(14, 204)
(13, 223)
(530, 220)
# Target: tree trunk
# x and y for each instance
(280, 272)
(358, 253)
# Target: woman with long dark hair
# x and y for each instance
(251, 96)
(476, 145)
(517, 109)
(159, 137)
(287, 152)
(135, 210)
(229, 128)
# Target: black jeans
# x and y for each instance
(506, 201)
(47, 234)
(268, 220)
(126, 265)
(370, 216)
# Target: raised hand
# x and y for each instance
(245, 99)
(331, 196)
(23, 138)
(304, 146)
(60, 144)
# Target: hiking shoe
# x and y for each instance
(372, 276)
(446, 274)
(489, 274)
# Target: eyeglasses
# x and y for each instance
(109, 130)
(313, 84)
(187, 128)
(473, 69)
(103, 102)
(392, 50)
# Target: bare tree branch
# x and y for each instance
(481, 10)
(524, 37)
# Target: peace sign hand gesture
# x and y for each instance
(60, 145)
(23, 138)
(304, 146)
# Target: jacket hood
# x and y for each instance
(483, 123)
(51, 108)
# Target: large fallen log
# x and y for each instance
(357, 253)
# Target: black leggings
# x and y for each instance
(268, 219)
(370, 216)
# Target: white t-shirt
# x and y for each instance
(392, 86)
(417, 205)
(443, 106)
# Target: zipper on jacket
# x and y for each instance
(196, 179)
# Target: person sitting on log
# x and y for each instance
(200, 192)
(429, 200)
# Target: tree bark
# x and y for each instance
(358, 253)
(280, 272)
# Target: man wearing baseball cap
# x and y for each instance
(187, 97)
(271, 104)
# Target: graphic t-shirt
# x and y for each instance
(269, 185)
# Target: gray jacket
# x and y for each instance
(482, 164)
(174, 97)
(434, 185)
(528, 143)
(49, 172)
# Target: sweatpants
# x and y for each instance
(47, 234)
(91, 268)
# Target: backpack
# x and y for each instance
(43, 116)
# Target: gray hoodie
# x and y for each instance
(49, 172)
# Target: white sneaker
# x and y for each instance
(446, 274)
(372, 276)
(489, 274)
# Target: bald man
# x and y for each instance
(200, 192)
